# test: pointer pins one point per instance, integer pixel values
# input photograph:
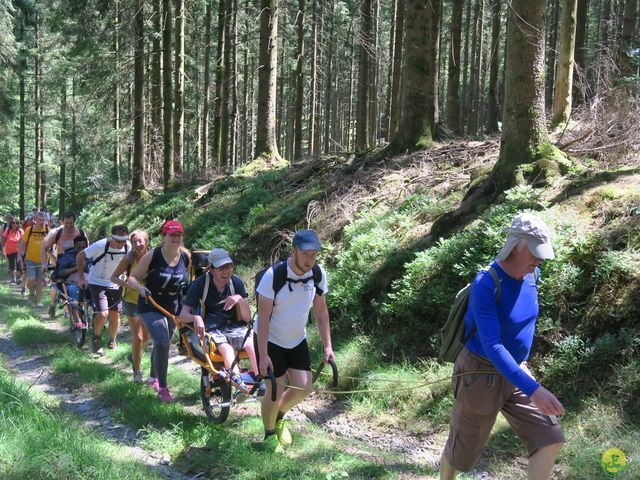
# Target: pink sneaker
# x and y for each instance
(154, 384)
(165, 396)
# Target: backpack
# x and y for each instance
(452, 335)
(106, 251)
(280, 278)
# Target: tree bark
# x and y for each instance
(116, 92)
(22, 68)
(327, 90)
(220, 86)
(394, 116)
(453, 79)
(157, 103)
(178, 118)
(464, 100)
(204, 138)
(363, 134)
(266, 146)
(233, 150)
(38, 134)
(62, 178)
(580, 54)
(373, 75)
(297, 137)
(564, 73)
(167, 93)
(137, 174)
(524, 134)
(626, 40)
(476, 67)
(492, 101)
(552, 49)
(417, 122)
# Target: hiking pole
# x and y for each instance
(334, 367)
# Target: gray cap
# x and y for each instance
(218, 257)
(531, 229)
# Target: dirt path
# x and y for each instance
(35, 371)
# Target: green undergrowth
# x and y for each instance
(391, 284)
(38, 441)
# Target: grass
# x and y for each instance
(37, 441)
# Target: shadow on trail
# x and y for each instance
(579, 185)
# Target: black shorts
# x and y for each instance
(285, 358)
(104, 299)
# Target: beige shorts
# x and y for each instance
(478, 399)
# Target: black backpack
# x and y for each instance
(280, 278)
(106, 251)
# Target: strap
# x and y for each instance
(496, 279)
(205, 292)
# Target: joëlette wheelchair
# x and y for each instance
(218, 391)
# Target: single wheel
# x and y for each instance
(216, 399)
(81, 332)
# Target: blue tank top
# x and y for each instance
(164, 281)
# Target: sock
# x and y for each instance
(280, 416)
(268, 433)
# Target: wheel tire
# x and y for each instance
(81, 333)
(212, 398)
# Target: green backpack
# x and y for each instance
(452, 333)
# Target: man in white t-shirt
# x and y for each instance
(281, 338)
(106, 296)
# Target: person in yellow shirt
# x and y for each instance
(29, 253)
(139, 335)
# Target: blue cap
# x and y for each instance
(306, 240)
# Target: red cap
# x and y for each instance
(172, 226)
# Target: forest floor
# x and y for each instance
(400, 454)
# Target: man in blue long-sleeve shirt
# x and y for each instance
(499, 347)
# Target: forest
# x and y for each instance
(408, 134)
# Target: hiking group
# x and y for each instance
(120, 273)
(493, 320)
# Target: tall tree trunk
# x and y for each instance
(234, 86)
(476, 68)
(394, 115)
(464, 100)
(373, 75)
(317, 118)
(220, 85)
(314, 78)
(552, 49)
(580, 55)
(62, 178)
(116, 92)
(246, 140)
(453, 80)
(363, 104)
(22, 68)
(223, 151)
(564, 73)
(178, 113)
(266, 146)
(74, 151)
(524, 133)
(204, 148)
(156, 101)
(297, 137)
(167, 93)
(137, 174)
(37, 96)
(492, 102)
(327, 90)
(417, 123)
(350, 112)
(626, 39)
